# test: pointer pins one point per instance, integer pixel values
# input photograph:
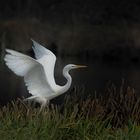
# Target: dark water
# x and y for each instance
(94, 77)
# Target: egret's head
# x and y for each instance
(73, 66)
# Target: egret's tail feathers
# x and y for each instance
(30, 98)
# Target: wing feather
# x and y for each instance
(36, 83)
(32, 71)
(19, 63)
(47, 59)
(40, 51)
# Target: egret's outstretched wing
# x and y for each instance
(40, 51)
(31, 70)
(47, 59)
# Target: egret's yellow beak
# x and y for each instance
(81, 66)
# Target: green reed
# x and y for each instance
(115, 115)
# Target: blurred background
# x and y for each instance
(104, 35)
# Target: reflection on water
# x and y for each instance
(94, 77)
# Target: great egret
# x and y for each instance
(39, 73)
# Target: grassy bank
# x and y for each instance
(116, 115)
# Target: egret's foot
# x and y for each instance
(31, 101)
(43, 105)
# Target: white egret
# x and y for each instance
(39, 73)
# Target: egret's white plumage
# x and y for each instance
(39, 73)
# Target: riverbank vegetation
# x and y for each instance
(115, 114)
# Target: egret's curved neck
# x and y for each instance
(69, 80)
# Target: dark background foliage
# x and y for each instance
(93, 11)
